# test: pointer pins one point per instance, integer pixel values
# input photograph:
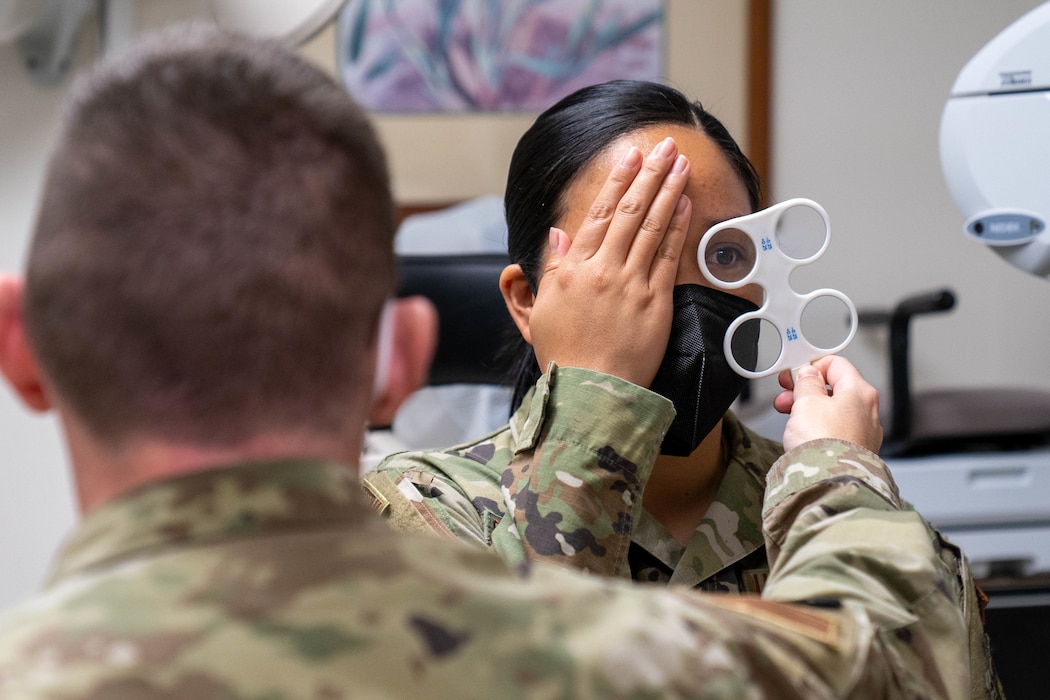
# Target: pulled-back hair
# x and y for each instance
(561, 143)
(214, 244)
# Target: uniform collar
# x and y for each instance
(527, 422)
(732, 528)
(212, 505)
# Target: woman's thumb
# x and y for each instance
(809, 382)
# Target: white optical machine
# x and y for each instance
(995, 154)
(995, 143)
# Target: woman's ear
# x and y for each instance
(517, 294)
(17, 363)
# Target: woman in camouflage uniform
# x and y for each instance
(688, 497)
(588, 473)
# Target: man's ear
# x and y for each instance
(17, 362)
(518, 296)
(414, 335)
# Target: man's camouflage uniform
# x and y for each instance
(569, 469)
(276, 581)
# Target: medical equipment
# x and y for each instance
(995, 153)
(995, 143)
(293, 22)
(46, 31)
(765, 248)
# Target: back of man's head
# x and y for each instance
(214, 245)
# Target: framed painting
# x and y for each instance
(442, 56)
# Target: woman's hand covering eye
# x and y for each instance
(604, 300)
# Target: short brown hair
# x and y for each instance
(214, 244)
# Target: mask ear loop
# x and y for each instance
(384, 350)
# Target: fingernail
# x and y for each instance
(683, 202)
(806, 371)
(632, 158)
(665, 147)
(680, 164)
(552, 239)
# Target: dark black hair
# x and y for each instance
(561, 143)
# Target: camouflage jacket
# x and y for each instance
(573, 462)
(570, 468)
(274, 581)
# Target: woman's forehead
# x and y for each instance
(715, 188)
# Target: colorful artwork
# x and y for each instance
(492, 55)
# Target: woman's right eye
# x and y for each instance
(729, 262)
(726, 255)
(729, 255)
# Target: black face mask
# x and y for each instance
(694, 373)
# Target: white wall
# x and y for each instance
(36, 502)
(859, 88)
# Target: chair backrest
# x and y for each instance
(473, 320)
(454, 255)
(951, 420)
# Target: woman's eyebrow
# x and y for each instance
(708, 223)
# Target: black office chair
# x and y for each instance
(473, 321)
(951, 420)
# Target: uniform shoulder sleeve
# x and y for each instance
(560, 483)
(451, 493)
(984, 679)
(583, 455)
(838, 533)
